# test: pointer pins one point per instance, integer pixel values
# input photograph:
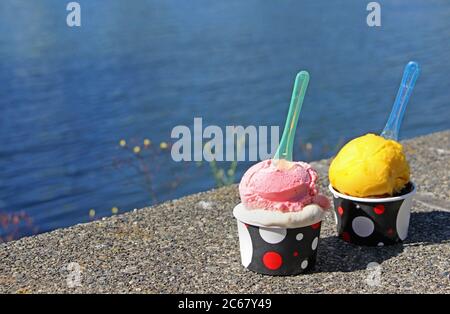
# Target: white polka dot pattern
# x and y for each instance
(304, 264)
(314, 243)
(245, 244)
(403, 219)
(363, 226)
(272, 235)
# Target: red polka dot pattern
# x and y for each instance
(272, 260)
(346, 236)
(293, 254)
(379, 209)
(372, 222)
(316, 225)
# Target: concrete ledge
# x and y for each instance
(190, 245)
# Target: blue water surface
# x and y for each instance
(136, 69)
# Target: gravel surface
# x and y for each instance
(190, 245)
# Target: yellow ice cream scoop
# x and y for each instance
(369, 166)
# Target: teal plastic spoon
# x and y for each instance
(410, 74)
(284, 150)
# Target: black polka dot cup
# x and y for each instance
(373, 221)
(278, 251)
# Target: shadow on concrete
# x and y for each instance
(336, 255)
(425, 228)
(429, 228)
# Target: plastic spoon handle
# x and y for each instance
(392, 128)
(284, 150)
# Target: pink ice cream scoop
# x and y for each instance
(286, 188)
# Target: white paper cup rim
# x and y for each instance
(270, 226)
(374, 200)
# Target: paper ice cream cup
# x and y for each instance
(373, 221)
(278, 251)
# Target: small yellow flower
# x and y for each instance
(114, 210)
(91, 213)
(137, 149)
(147, 142)
(123, 143)
(163, 145)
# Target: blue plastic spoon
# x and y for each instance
(392, 128)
